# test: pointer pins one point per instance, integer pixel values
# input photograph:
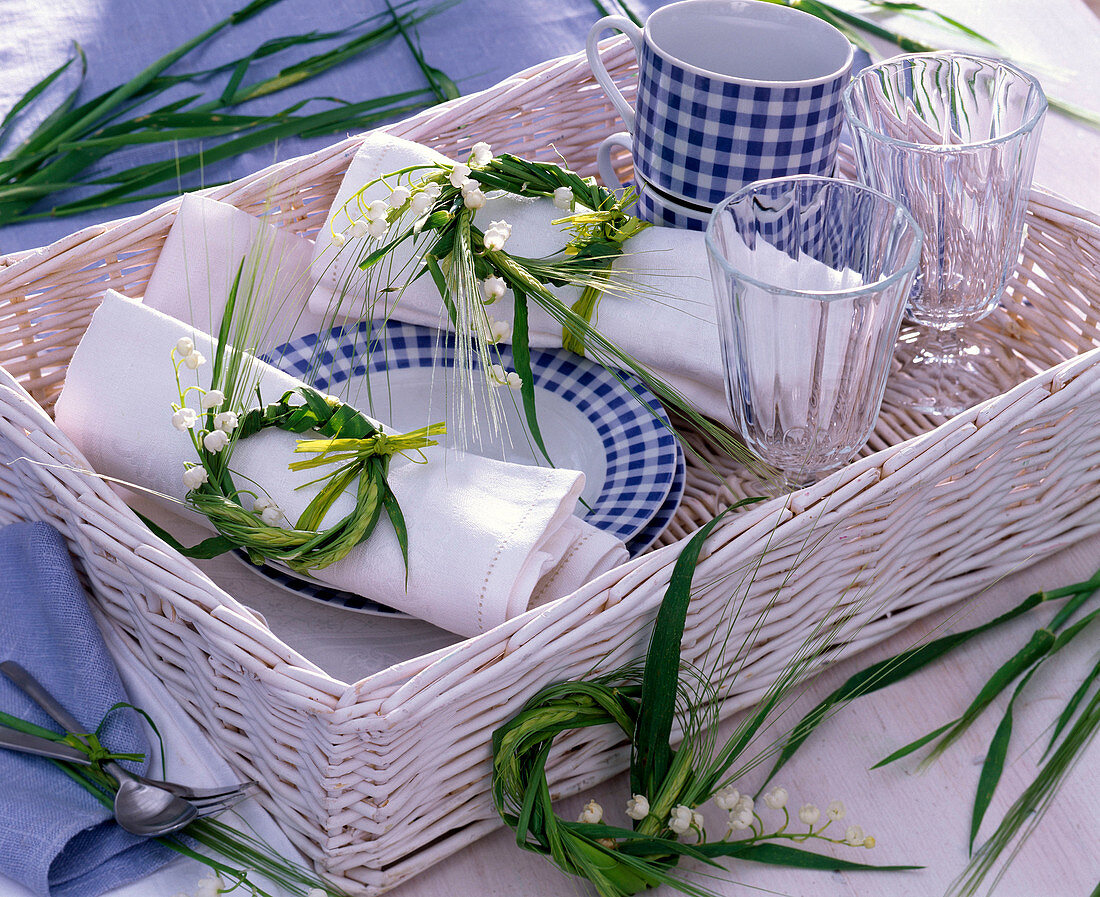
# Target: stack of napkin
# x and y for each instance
(487, 539)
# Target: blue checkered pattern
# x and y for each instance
(661, 519)
(702, 138)
(653, 209)
(642, 454)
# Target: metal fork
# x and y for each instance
(142, 806)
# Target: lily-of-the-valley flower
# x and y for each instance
(637, 807)
(501, 377)
(499, 331)
(458, 174)
(563, 199)
(481, 154)
(340, 238)
(195, 360)
(493, 288)
(185, 346)
(272, 515)
(185, 419)
(194, 477)
(808, 814)
(854, 836)
(727, 798)
(497, 234)
(680, 819)
(215, 440)
(210, 886)
(592, 813)
(432, 190)
(420, 203)
(226, 421)
(474, 199)
(835, 810)
(360, 228)
(777, 798)
(378, 209)
(377, 228)
(398, 197)
(212, 399)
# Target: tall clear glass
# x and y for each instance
(810, 279)
(954, 138)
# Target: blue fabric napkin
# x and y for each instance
(56, 838)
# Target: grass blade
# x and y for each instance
(521, 356)
(887, 672)
(652, 751)
(784, 855)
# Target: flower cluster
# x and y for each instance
(743, 817)
(185, 419)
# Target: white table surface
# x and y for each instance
(916, 818)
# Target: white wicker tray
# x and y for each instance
(375, 780)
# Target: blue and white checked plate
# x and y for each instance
(402, 373)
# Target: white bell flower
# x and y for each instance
(215, 440)
(226, 421)
(458, 174)
(475, 200)
(680, 819)
(398, 197)
(776, 798)
(185, 346)
(809, 814)
(185, 419)
(727, 798)
(481, 154)
(194, 477)
(194, 360)
(592, 813)
(637, 807)
(563, 199)
(212, 399)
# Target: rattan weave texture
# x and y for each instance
(375, 780)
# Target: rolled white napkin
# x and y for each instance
(199, 260)
(666, 322)
(486, 538)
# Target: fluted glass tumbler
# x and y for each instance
(810, 280)
(954, 138)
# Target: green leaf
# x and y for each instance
(1073, 705)
(521, 356)
(652, 749)
(397, 518)
(783, 855)
(887, 672)
(991, 770)
(206, 549)
(914, 745)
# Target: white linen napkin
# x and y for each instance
(667, 322)
(485, 537)
(199, 261)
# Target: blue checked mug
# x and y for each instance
(729, 92)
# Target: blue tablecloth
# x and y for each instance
(475, 42)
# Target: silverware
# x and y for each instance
(142, 806)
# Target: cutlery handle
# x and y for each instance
(36, 692)
(14, 740)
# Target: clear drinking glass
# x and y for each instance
(954, 138)
(810, 279)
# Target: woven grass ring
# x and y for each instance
(616, 860)
(361, 451)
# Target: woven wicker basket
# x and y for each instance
(378, 779)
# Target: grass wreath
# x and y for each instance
(358, 447)
(668, 785)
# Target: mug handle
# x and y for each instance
(603, 158)
(632, 31)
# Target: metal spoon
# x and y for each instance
(140, 808)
